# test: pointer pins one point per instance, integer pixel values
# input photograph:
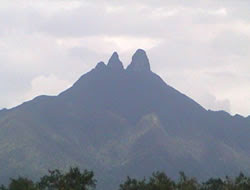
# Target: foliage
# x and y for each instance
(74, 179)
(159, 181)
(186, 183)
(133, 184)
(21, 184)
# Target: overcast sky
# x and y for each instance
(201, 48)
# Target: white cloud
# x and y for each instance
(114, 9)
(126, 43)
(199, 47)
(164, 13)
(46, 85)
(209, 101)
(41, 85)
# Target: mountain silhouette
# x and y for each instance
(121, 122)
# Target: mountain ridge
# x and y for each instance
(115, 61)
(121, 122)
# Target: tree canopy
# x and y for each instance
(75, 179)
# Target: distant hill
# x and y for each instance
(121, 122)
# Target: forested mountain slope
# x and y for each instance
(121, 122)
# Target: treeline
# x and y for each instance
(74, 179)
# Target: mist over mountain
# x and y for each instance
(121, 122)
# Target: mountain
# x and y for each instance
(121, 122)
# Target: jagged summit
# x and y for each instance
(100, 65)
(127, 121)
(139, 62)
(114, 62)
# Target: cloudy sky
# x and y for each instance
(202, 48)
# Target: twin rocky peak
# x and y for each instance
(139, 63)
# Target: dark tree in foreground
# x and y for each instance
(2, 187)
(186, 183)
(72, 180)
(213, 184)
(20, 184)
(133, 184)
(160, 181)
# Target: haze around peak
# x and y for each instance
(139, 62)
(202, 48)
(114, 62)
